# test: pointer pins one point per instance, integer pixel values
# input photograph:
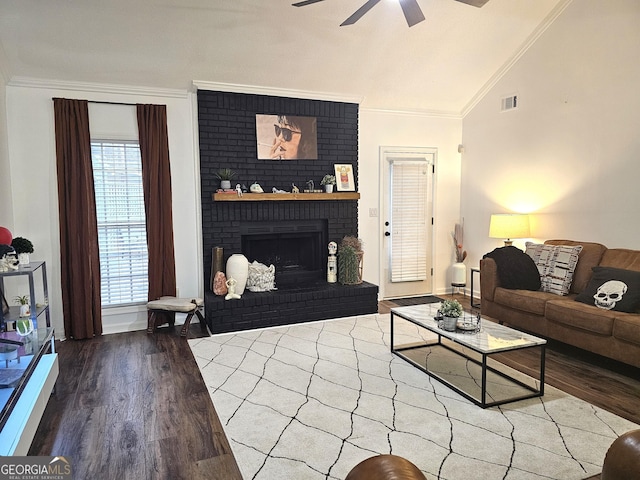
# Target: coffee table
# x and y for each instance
(466, 361)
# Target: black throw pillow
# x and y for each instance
(516, 269)
(613, 289)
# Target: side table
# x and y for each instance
(474, 270)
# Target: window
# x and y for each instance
(122, 237)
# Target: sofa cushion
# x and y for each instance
(613, 289)
(525, 300)
(627, 327)
(585, 317)
(590, 256)
(621, 258)
(556, 264)
(515, 269)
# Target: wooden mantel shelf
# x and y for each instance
(279, 197)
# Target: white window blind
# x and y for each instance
(409, 191)
(122, 237)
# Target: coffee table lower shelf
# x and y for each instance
(475, 375)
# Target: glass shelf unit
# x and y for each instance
(19, 357)
(37, 309)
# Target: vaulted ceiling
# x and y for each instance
(438, 65)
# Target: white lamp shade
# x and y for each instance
(509, 225)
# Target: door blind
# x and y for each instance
(409, 191)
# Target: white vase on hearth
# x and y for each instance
(238, 269)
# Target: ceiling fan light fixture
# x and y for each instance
(412, 12)
(410, 8)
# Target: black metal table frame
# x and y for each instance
(539, 392)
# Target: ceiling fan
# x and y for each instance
(410, 8)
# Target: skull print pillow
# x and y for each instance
(613, 289)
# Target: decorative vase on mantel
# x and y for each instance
(328, 188)
(238, 269)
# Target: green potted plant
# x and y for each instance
(328, 181)
(23, 248)
(24, 324)
(225, 175)
(23, 301)
(450, 310)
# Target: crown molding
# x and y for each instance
(414, 113)
(276, 92)
(546, 23)
(29, 82)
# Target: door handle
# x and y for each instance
(387, 234)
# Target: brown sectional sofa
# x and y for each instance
(606, 332)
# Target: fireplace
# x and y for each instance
(290, 233)
(296, 248)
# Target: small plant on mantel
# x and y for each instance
(328, 180)
(225, 175)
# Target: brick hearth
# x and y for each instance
(319, 301)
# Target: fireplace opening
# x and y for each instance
(296, 248)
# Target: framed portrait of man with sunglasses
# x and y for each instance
(286, 137)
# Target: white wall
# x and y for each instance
(6, 213)
(33, 166)
(379, 128)
(570, 153)
(35, 196)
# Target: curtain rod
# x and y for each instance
(112, 103)
(108, 103)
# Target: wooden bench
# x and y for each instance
(190, 306)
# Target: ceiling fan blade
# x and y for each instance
(359, 13)
(475, 3)
(411, 11)
(305, 3)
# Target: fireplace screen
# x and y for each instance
(296, 248)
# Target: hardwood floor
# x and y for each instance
(134, 405)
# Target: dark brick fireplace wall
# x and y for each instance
(227, 131)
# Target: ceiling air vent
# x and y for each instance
(509, 103)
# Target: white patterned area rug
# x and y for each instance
(310, 401)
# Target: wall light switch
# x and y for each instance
(373, 212)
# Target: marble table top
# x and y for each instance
(491, 338)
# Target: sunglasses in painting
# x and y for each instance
(287, 133)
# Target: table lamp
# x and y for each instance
(508, 226)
